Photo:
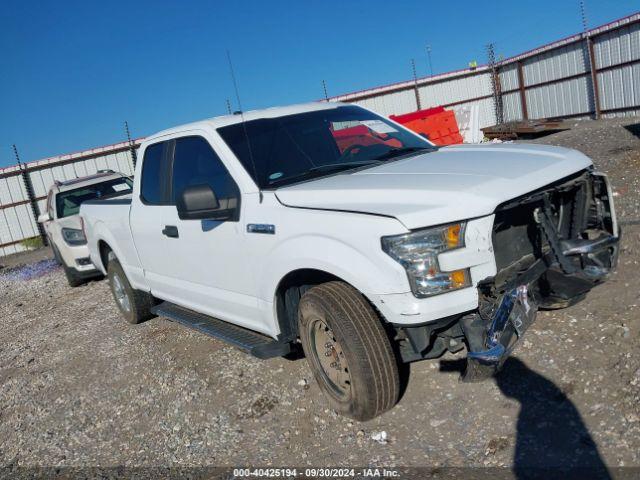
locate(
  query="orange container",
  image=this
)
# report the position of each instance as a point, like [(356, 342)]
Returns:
[(438, 124)]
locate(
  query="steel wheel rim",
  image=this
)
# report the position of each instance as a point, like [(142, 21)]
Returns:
[(330, 358), (121, 294)]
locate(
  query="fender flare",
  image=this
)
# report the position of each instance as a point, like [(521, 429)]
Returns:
[(342, 260)]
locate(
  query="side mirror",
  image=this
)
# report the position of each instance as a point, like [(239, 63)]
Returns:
[(199, 202), (44, 218)]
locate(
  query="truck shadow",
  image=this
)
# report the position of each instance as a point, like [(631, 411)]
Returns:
[(552, 440)]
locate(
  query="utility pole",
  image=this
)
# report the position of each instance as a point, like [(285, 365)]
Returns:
[(134, 154), (28, 187), (495, 85), (228, 107), (415, 84), (429, 58)]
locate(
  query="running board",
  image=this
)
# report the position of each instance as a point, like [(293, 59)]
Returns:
[(249, 341)]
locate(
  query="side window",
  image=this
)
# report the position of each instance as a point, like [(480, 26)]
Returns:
[(196, 163), (153, 183)]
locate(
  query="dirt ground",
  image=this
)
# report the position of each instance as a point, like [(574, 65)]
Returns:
[(80, 387)]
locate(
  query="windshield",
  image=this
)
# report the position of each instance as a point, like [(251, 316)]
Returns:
[(68, 202), (299, 147)]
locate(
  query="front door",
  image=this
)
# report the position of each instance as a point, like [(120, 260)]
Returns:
[(206, 261)]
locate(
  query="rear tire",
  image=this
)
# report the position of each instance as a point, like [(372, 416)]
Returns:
[(348, 350), (56, 254), (73, 279), (134, 305)]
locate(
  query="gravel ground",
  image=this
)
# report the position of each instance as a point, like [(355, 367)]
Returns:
[(614, 145), (80, 387)]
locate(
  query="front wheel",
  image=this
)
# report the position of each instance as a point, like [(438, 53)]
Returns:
[(348, 350), (73, 278), (134, 305)]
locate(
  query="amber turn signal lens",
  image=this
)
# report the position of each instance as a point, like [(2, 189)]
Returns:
[(458, 278), (453, 236)]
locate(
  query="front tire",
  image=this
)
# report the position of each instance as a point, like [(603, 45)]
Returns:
[(348, 350), (134, 305), (73, 279)]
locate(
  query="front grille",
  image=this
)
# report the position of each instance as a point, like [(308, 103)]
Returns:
[(517, 240)]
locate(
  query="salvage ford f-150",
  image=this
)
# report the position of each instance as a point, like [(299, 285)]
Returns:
[(329, 226)]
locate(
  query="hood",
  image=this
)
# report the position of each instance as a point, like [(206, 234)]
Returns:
[(453, 183)]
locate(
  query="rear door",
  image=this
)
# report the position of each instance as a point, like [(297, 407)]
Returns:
[(147, 215)]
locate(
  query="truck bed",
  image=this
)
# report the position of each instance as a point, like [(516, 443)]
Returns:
[(106, 225)]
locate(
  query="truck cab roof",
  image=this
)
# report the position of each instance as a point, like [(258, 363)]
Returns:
[(100, 176), (224, 120)]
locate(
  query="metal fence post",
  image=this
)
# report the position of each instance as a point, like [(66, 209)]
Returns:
[(594, 77), (134, 154), (28, 186), (523, 95), (415, 85), (495, 85)]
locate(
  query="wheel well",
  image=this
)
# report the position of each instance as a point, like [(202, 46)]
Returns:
[(104, 249), (288, 294)]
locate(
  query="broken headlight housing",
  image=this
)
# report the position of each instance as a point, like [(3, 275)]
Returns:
[(418, 253)]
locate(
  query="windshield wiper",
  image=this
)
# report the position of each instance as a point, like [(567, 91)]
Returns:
[(329, 167), (396, 152), (339, 166)]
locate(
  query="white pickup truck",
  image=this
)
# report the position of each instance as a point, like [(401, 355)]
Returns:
[(329, 226)]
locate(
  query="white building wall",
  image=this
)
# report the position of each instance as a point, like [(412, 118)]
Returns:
[(17, 222)]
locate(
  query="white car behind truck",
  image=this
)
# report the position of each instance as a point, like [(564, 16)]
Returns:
[(63, 225), (329, 226)]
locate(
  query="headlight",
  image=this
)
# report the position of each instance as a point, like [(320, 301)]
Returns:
[(73, 236), (418, 253)]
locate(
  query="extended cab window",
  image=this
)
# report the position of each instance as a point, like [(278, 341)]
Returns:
[(195, 163), (153, 185)]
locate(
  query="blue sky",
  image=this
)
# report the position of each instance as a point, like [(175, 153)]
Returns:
[(73, 71)]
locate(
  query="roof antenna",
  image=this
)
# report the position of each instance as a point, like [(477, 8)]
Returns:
[(244, 127)]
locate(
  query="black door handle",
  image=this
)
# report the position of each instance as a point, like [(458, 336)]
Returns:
[(170, 231)]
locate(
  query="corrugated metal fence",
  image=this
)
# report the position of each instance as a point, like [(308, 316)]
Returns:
[(18, 208), (596, 73), (591, 74)]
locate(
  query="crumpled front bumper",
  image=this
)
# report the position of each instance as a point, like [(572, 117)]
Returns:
[(490, 346), (491, 343)]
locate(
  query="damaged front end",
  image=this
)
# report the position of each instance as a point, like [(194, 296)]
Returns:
[(551, 247)]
